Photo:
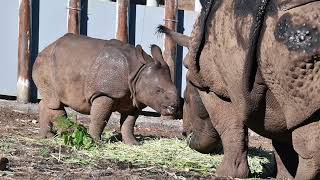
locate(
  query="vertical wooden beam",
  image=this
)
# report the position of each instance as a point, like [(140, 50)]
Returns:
[(170, 47), (74, 16), (24, 56), (122, 15)]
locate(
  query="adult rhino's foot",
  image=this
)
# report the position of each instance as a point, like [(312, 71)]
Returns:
[(233, 169)]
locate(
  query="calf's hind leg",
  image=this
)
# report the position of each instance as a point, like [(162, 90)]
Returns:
[(101, 110), (306, 142), (47, 116)]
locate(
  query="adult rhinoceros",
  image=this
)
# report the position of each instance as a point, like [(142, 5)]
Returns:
[(256, 63)]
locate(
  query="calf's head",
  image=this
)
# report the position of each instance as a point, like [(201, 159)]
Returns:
[(154, 86)]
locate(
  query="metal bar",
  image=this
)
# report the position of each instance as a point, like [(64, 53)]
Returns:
[(170, 47), (132, 22), (74, 16), (84, 17), (179, 56), (122, 26), (24, 55), (35, 9)]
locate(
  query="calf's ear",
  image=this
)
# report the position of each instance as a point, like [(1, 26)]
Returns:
[(142, 56), (157, 54)]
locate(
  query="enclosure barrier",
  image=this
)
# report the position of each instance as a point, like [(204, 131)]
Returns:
[(24, 52), (77, 23)]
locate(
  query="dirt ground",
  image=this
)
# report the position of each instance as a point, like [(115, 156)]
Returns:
[(31, 160)]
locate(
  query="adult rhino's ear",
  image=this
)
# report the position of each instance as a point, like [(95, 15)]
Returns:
[(157, 54), (142, 56)]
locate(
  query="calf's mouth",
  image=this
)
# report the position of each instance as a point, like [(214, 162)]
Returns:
[(168, 110)]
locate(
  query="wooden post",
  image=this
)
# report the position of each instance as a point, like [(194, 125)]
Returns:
[(24, 55), (74, 16), (122, 26), (170, 47)]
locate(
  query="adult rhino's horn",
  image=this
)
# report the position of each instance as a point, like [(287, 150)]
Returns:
[(157, 54)]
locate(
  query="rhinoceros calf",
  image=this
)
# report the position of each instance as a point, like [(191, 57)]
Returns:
[(98, 77)]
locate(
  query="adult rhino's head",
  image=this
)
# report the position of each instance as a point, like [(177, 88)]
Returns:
[(197, 125), (154, 87)]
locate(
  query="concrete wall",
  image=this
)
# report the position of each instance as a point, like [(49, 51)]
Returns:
[(53, 24)]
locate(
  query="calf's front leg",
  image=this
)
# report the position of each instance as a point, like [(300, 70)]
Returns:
[(101, 110), (127, 123)]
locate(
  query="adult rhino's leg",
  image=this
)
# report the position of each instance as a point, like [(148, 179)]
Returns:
[(306, 142), (287, 160), (233, 133), (127, 123), (47, 116), (101, 110), (235, 146)]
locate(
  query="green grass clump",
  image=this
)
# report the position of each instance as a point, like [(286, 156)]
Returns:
[(163, 153), (175, 154)]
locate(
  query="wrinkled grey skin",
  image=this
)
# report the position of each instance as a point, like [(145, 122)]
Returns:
[(197, 124), (98, 77), (257, 65)]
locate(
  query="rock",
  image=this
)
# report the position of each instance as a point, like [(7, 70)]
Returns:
[(3, 163)]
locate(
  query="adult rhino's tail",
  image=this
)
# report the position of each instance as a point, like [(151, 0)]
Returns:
[(181, 39)]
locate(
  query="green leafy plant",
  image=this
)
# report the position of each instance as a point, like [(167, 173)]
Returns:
[(74, 134)]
